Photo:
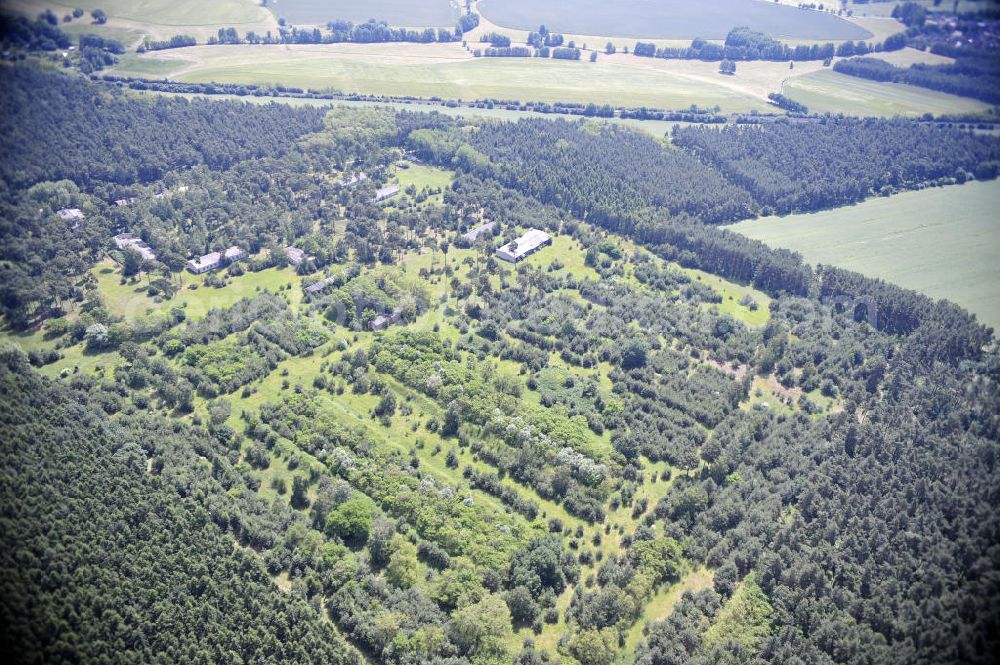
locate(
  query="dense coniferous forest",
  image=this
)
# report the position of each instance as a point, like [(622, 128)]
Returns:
[(406, 448), (60, 127), (106, 562)]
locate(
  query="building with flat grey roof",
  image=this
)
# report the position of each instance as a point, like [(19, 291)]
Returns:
[(216, 260), (386, 193), (532, 241), (479, 231), (131, 241)]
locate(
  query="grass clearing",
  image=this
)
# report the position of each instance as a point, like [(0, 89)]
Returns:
[(830, 92), (668, 19), (732, 298), (663, 602), (941, 241), (129, 300)]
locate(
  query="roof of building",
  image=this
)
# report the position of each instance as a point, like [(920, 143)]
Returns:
[(209, 260), (296, 255), (70, 213), (529, 242), (474, 234), (320, 285), (132, 241), (386, 192)]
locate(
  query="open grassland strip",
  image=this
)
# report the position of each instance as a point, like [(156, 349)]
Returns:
[(942, 241)]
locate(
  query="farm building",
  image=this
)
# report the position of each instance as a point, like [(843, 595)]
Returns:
[(131, 241), (525, 246), (70, 214), (296, 255), (122, 203), (386, 193), (476, 233), (383, 321), (216, 260)]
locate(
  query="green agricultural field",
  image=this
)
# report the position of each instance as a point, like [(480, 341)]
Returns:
[(447, 71), (159, 18), (942, 241), (668, 19), (830, 92), (410, 13)]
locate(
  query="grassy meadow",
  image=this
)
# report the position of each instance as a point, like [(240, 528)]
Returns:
[(940, 241)]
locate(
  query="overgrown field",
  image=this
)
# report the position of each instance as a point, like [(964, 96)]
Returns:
[(941, 241), (668, 19)]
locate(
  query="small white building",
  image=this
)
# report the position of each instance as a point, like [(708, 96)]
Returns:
[(71, 214), (131, 241), (479, 231), (386, 193), (525, 246), (296, 255), (216, 260)]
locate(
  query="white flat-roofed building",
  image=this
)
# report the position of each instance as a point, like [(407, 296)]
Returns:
[(216, 260), (479, 231), (131, 241), (70, 214), (525, 246), (296, 255), (386, 193)]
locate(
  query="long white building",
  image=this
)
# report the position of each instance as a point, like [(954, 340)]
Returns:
[(525, 246)]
